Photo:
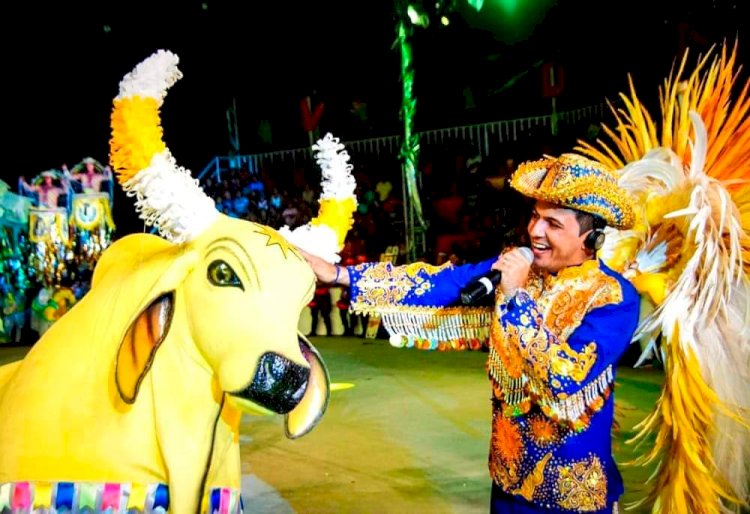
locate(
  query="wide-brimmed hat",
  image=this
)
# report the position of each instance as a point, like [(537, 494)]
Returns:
[(575, 182)]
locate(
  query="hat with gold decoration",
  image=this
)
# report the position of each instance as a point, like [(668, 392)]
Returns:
[(575, 182)]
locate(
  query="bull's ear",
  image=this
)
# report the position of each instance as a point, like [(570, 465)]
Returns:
[(138, 347)]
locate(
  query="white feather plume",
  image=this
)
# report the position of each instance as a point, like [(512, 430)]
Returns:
[(168, 197), (337, 184), (152, 77)]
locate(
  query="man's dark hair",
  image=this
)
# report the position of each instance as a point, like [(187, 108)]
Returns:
[(588, 221)]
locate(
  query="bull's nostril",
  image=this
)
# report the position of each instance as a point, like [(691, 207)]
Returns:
[(279, 384), (277, 367)]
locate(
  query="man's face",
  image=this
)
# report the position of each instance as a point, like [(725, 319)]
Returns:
[(555, 239)]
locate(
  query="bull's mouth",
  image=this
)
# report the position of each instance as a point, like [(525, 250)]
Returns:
[(281, 386), (278, 385)]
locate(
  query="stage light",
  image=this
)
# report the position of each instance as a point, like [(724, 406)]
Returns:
[(417, 16)]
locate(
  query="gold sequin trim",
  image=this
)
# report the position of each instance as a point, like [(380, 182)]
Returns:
[(384, 284), (522, 378)]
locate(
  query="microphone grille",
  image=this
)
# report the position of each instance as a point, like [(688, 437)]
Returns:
[(526, 251)]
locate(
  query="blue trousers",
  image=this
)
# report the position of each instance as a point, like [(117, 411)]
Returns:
[(504, 503)]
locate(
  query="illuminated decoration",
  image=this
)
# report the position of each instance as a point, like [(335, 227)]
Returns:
[(48, 232), (46, 189), (417, 16), (92, 224), (510, 21), (14, 208), (48, 224), (91, 176), (49, 305), (14, 279), (91, 211)]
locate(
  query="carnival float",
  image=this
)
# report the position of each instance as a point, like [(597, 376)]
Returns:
[(53, 232)]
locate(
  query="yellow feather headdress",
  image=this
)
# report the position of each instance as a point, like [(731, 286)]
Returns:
[(689, 254)]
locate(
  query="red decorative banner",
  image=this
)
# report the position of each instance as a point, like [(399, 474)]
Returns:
[(553, 80), (310, 119)]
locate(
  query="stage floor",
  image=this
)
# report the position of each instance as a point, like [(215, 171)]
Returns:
[(410, 436)]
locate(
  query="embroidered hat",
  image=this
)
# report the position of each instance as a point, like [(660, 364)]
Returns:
[(576, 182)]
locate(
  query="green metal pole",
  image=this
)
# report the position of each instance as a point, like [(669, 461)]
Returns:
[(414, 223)]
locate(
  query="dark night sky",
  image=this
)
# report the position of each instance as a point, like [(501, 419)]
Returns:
[(62, 68)]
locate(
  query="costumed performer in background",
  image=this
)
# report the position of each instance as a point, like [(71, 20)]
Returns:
[(44, 188), (560, 325)]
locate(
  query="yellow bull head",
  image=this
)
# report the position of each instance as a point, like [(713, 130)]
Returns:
[(235, 293)]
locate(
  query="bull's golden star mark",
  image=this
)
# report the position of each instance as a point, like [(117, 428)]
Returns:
[(274, 238)]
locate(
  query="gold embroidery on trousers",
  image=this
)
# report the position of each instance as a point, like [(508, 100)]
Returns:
[(582, 486), (533, 480)]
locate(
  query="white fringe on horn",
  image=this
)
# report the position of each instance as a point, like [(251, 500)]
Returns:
[(337, 184), (168, 197)]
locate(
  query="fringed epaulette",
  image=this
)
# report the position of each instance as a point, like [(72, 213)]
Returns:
[(433, 328)]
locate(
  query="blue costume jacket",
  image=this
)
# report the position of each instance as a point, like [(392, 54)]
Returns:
[(553, 352)]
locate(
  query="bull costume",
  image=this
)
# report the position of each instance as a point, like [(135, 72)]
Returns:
[(132, 401)]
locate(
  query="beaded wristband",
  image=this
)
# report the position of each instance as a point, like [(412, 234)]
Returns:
[(338, 272)]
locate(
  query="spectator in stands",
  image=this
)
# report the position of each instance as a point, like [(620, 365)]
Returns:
[(240, 205), (276, 199), (308, 194), (226, 204), (320, 308), (291, 216), (255, 186)]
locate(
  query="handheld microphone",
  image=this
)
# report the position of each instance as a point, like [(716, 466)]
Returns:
[(485, 284)]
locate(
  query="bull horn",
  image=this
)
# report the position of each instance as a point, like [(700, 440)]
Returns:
[(325, 234), (167, 196)]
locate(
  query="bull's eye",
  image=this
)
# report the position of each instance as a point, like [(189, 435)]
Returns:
[(221, 274)]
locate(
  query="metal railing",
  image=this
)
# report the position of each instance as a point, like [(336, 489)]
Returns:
[(483, 135)]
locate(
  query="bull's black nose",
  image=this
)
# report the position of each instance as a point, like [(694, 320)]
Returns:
[(279, 384)]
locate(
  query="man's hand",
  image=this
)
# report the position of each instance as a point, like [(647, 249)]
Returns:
[(514, 267), (326, 272)]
